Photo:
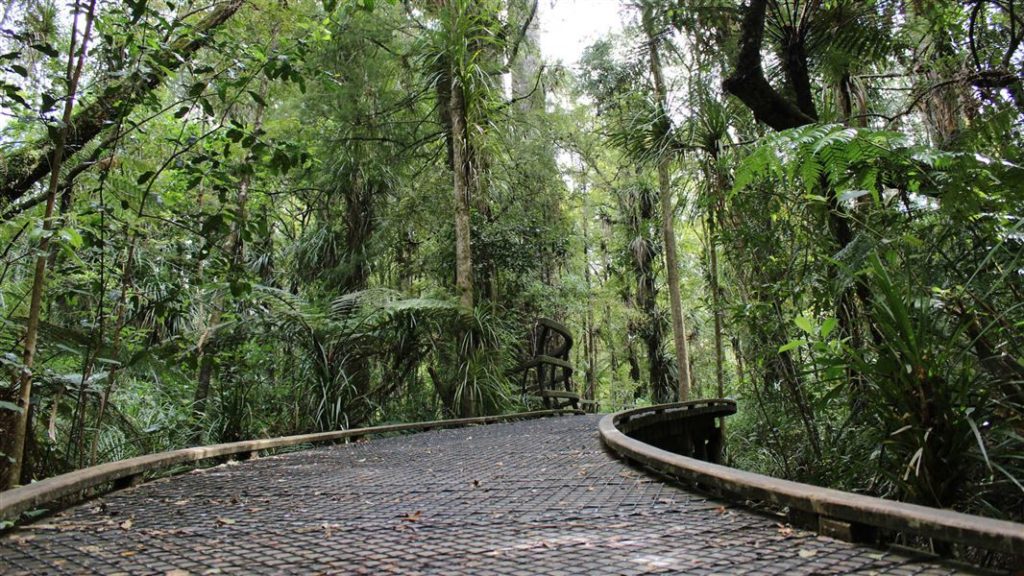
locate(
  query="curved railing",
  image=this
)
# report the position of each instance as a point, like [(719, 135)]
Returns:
[(687, 428), (123, 473), (836, 513)]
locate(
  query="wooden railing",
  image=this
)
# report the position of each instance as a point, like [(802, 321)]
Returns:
[(690, 428), (83, 483), (834, 513)]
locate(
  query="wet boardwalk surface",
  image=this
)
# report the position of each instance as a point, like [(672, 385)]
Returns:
[(532, 497)]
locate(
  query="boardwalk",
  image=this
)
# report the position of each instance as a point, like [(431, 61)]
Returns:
[(533, 497)]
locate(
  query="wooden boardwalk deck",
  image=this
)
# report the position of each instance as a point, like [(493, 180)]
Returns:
[(531, 497)]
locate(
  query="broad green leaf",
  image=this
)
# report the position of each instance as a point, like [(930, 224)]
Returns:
[(828, 326), (804, 323), (791, 345)]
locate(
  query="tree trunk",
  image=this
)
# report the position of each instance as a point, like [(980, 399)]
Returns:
[(748, 83), (716, 302), (525, 61), (460, 169), (675, 298), (15, 450), (589, 341), (359, 227), (660, 383), (717, 181), (667, 217)]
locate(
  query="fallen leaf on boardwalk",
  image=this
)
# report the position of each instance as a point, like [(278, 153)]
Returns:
[(127, 524), (476, 483), (93, 549), (180, 502), (413, 517), (225, 521), (722, 510), (785, 531), (128, 553), (177, 572), (807, 553)]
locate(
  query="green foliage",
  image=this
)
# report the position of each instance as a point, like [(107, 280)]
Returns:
[(928, 406)]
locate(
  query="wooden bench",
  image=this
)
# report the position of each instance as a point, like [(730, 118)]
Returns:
[(547, 374)]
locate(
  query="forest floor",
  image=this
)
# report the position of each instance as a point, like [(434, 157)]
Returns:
[(531, 497)]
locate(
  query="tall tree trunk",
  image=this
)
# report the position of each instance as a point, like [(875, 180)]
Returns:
[(460, 170), (716, 302), (525, 61), (675, 298), (748, 83), (359, 228), (589, 341), (717, 182), (15, 450), (668, 215), (643, 250)]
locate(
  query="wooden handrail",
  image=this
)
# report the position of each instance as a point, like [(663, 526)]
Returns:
[(15, 501), (825, 503)]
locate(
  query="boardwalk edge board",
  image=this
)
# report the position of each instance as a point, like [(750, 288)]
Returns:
[(828, 505), (123, 473)]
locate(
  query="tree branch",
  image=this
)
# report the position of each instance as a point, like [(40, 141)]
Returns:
[(30, 164), (747, 82)]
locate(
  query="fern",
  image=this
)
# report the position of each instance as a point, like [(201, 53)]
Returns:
[(849, 159)]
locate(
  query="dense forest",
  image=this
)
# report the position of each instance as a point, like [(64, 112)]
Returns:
[(245, 218)]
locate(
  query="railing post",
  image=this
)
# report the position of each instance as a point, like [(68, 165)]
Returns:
[(847, 531), (716, 441)]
